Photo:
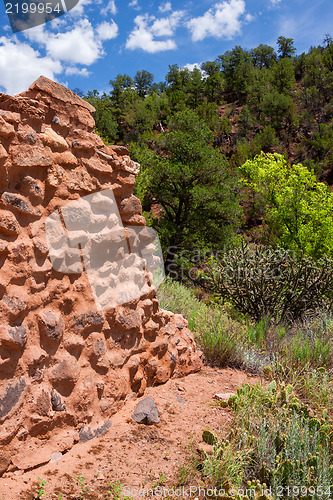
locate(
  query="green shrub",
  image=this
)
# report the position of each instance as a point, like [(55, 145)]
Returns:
[(217, 334), (264, 282), (297, 208), (277, 441), (316, 387)]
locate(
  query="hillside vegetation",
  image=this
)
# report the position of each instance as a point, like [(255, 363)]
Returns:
[(236, 172), (193, 133)]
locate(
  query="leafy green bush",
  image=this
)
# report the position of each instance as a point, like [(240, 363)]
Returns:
[(297, 209), (271, 283)]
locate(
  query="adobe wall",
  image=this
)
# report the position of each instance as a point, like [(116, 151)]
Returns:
[(66, 365)]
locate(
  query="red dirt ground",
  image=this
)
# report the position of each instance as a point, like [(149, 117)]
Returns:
[(133, 454)]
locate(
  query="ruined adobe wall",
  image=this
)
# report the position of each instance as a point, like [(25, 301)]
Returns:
[(65, 365)]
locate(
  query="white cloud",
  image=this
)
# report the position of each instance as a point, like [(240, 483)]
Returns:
[(77, 11), (167, 25), (20, 65), (110, 7), (73, 70), (80, 45), (107, 31), (36, 34), (62, 46), (191, 67), (148, 27), (275, 2), (134, 4), (223, 20), (249, 18), (165, 7)]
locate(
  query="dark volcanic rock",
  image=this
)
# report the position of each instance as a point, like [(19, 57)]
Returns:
[(88, 433), (17, 335), (146, 412), (52, 324), (11, 396), (56, 401)]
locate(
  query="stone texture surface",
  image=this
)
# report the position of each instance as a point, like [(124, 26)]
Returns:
[(146, 412), (66, 367)]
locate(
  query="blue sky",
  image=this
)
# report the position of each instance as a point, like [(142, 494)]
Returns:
[(91, 44)]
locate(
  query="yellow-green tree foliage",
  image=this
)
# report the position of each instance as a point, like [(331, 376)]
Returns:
[(297, 208)]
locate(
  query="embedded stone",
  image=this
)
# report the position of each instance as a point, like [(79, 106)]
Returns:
[(28, 136), (51, 324), (107, 157), (130, 205), (3, 248), (163, 374), (65, 159), (180, 321), (80, 180), (33, 188), (11, 396), (16, 336), (87, 320), (55, 457), (74, 343), (117, 358), (99, 347), (20, 252), (41, 248), (82, 145), (8, 223), (160, 346), (14, 304), (119, 150), (43, 402), (3, 153), (6, 129), (97, 165), (31, 156), (5, 461), (130, 166), (128, 320), (10, 116), (56, 401), (55, 141), (17, 202), (55, 176), (67, 370)]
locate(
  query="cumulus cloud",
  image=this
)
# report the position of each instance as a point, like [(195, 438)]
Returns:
[(77, 11), (275, 2), (147, 28), (191, 67), (80, 45), (134, 4), (165, 7), (20, 65), (223, 20), (73, 70), (59, 47), (110, 7), (107, 31)]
